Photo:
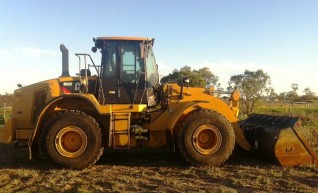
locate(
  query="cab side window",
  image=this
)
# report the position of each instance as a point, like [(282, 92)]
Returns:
[(131, 66), (109, 60)]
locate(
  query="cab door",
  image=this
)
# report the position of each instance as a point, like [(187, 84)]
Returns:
[(110, 74), (123, 79)]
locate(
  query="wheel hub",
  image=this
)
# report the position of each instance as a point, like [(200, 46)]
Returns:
[(71, 141), (207, 139)]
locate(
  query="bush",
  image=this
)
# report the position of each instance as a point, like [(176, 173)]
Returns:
[(1, 120)]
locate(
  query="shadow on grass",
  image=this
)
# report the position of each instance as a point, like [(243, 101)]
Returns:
[(142, 157), (17, 158), (12, 157)]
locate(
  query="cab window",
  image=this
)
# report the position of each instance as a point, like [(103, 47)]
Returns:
[(131, 66), (151, 68)]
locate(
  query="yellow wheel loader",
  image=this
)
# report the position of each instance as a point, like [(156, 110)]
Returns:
[(120, 104)]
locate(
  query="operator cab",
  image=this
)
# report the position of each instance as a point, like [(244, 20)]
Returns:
[(129, 73)]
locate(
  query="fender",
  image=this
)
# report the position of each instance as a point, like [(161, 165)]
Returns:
[(214, 105), (49, 107), (182, 110)]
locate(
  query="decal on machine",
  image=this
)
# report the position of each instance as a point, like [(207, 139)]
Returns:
[(75, 86), (67, 83), (70, 86)]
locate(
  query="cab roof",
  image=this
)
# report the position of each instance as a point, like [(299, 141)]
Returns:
[(124, 38)]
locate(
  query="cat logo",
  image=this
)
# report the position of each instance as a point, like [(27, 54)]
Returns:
[(77, 86)]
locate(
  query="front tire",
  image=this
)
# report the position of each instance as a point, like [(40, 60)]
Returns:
[(73, 139), (205, 138)]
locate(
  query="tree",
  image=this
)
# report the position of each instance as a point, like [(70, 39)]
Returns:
[(271, 95), (309, 95), (282, 96), (293, 93), (6, 98), (208, 76), (252, 85), (198, 78)]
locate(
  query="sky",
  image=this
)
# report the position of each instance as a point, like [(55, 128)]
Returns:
[(229, 37)]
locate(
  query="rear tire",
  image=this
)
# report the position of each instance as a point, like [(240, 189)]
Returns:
[(205, 138), (73, 139)]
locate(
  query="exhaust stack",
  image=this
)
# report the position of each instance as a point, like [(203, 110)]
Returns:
[(65, 65)]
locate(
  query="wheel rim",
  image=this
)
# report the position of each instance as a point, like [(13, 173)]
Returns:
[(71, 141), (207, 139)]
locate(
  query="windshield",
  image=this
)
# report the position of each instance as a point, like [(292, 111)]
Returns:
[(151, 68)]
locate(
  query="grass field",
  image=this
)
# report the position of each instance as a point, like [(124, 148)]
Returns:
[(151, 171), (161, 171)]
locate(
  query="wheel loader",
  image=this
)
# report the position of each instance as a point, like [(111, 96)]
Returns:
[(120, 104)]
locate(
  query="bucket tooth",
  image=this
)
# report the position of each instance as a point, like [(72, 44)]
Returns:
[(277, 138)]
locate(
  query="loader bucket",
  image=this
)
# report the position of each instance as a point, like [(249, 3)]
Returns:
[(277, 138)]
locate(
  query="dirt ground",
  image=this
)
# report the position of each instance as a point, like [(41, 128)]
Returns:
[(150, 171)]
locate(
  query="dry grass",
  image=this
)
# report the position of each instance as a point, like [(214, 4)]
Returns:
[(151, 171)]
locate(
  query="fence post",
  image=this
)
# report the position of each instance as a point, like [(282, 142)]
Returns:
[(4, 110)]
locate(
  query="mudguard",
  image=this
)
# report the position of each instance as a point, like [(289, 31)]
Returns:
[(222, 108)]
